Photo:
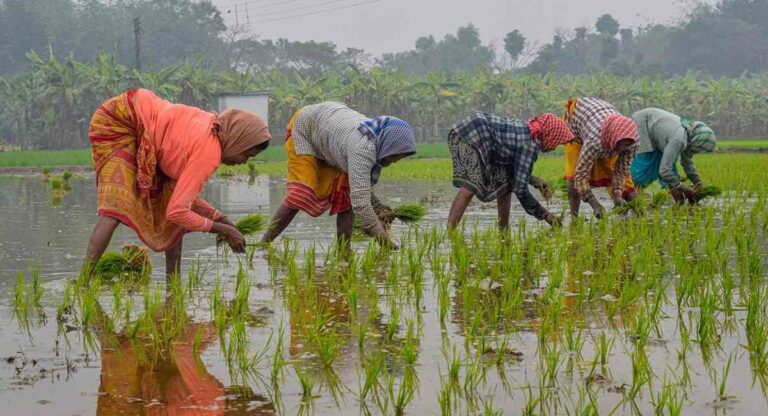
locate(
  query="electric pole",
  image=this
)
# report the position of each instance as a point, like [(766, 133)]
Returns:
[(137, 42)]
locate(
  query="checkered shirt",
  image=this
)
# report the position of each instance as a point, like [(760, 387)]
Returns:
[(330, 131), (501, 141), (586, 122)]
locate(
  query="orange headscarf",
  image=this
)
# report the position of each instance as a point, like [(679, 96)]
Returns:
[(240, 131)]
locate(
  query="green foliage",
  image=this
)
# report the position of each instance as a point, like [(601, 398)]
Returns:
[(37, 110), (607, 25)]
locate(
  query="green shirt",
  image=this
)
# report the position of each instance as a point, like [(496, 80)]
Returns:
[(662, 131)]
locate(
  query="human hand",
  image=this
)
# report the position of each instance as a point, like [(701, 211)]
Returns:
[(226, 221), (596, 207), (690, 194), (545, 189), (553, 220), (234, 238)]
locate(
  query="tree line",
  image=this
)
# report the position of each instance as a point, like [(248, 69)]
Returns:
[(50, 104), (730, 38)]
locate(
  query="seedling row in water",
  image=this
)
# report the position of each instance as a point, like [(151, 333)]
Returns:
[(645, 314)]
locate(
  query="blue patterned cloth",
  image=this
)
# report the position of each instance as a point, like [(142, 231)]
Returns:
[(393, 136)]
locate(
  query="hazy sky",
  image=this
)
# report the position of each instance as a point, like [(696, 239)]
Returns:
[(393, 25)]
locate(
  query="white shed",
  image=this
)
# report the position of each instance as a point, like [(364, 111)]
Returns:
[(255, 102)]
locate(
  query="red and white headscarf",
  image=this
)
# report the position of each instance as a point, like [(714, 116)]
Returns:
[(617, 127), (550, 130)]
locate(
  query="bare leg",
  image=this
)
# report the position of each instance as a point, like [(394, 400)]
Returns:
[(280, 222), (100, 238), (344, 223), (459, 205), (173, 260), (573, 199), (504, 203)]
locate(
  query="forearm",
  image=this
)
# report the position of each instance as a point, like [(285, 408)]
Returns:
[(690, 169), (459, 205), (530, 204), (369, 221), (279, 223), (667, 165), (204, 209), (504, 204), (378, 206), (621, 170), (573, 199)]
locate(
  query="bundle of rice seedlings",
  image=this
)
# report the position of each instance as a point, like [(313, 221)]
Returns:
[(709, 191), (251, 168), (132, 264), (659, 199), (637, 205), (251, 224), (247, 225), (410, 213), (66, 176), (56, 184)]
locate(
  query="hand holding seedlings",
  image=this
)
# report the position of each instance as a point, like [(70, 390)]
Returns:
[(690, 194), (245, 226), (553, 220), (230, 234), (546, 191)]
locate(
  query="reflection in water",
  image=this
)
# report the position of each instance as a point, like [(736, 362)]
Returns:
[(140, 377)]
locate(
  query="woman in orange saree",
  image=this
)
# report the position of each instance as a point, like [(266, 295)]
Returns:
[(152, 160)]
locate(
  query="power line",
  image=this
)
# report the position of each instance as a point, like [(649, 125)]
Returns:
[(238, 8), (348, 6), (309, 6)]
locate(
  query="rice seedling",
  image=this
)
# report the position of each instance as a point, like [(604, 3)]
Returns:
[(247, 225), (21, 304), (637, 205), (196, 271), (131, 265), (57, 184), (722, 383), (531, 403), (709, 191), (373, 367), (659, 199), (410, 213)]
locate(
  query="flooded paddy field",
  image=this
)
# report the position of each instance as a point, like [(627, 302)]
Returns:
[(661, 314)]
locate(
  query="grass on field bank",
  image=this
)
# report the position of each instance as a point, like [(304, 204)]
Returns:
[(436, 150), (82, 157), (736, 170), (45, 158)]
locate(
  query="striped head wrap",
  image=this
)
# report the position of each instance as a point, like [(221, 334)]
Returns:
[(617, 127), (393, 136), (550, 131), (701, 138)]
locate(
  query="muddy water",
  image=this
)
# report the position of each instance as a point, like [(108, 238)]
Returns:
[(46, 373), (47, 376)]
